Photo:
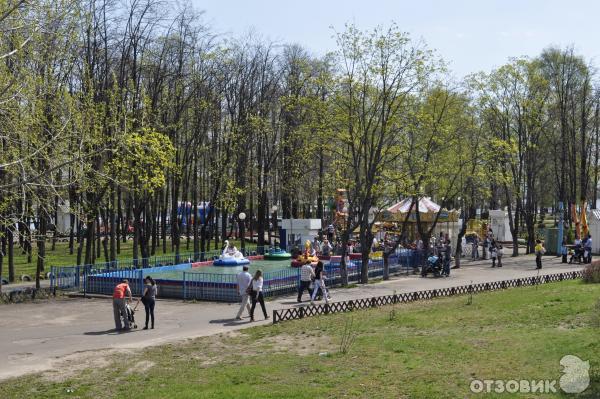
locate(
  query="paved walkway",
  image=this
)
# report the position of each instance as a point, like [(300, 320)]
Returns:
[(38, 336)]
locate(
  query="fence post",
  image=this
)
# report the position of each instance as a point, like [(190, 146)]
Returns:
[(141, 281), (184, 287)]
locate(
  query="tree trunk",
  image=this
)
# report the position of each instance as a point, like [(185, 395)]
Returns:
[(2, 255), (112, 227), (119, 222), (11, 255), (366, 240), (89, 250), (41, 245), (79, 241), (71, 232), (262, 216), (98, 237)]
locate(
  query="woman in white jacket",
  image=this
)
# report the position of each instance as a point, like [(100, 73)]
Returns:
[(319, 284), (257, 295)]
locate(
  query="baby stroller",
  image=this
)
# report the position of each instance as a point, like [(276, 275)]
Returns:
[(130, 315), (433, 265), (576, 254)]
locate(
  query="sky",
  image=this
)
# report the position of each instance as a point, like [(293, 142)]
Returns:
[(470, 35)]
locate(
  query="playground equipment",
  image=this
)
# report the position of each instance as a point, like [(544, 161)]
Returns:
[(341, 208), (277, 254), (309, 254), (231, 257)]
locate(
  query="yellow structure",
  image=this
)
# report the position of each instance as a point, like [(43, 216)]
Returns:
[(308, 254)]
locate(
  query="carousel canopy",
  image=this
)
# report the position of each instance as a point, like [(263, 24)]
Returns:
[(426, 205), (428, 211)]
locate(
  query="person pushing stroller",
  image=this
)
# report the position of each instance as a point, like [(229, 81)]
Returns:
[(121, 292)]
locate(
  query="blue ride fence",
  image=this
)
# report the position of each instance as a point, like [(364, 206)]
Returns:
[(102, 278)]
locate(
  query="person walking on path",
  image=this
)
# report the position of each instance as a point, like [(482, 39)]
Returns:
[(539, 251), (475, 248), (243, 283), (319, 283), (587, 250), (257, 295), (499, 254), (564, 250), (120, 293), (307, 275), (486, 243), (149, 299), (447, 257), (493, 252)]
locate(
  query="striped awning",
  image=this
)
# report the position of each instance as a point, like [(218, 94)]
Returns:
[(426, 205)]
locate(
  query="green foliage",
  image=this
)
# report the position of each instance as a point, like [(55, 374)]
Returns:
[(142, 160)]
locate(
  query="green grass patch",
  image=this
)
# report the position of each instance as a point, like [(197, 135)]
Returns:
[(427, 349), (61, 257)]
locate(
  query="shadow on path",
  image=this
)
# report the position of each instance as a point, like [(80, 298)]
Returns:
[(112, 331), (231, 321)]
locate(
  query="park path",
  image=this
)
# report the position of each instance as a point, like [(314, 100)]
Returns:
[(41, 336)]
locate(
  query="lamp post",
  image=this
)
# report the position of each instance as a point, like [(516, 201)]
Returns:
[(274, 210), (242, 217)]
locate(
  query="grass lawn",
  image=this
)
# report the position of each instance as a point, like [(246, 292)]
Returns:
[(420, 350), (61, 257)]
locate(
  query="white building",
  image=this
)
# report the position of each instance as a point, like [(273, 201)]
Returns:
[(500, 225), (295, 231)]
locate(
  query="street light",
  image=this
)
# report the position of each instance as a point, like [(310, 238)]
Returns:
[(242, 217)]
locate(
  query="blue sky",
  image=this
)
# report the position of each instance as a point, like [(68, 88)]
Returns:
[(471, 35)]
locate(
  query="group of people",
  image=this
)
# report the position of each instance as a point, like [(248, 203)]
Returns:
[(122, 292), (580, 251), (250, 289), (442, 247), (313, 281), (490, 247), (329, 248)]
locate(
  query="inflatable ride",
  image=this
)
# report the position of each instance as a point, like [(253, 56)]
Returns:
[(277, 254), (231, 257), (309, 254)]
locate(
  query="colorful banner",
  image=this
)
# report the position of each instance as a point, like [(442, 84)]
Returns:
[(575, 220), (584, 224)]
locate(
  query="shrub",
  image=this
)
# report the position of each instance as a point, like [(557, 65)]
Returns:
[(591, 274)]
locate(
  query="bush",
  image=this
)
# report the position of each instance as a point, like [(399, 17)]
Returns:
[(591, 274)]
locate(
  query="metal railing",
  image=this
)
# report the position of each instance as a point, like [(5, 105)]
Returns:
[(356, 304), (222, 287), (166, 260)]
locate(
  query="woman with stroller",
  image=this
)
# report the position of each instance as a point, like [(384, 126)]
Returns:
[(577, 254), (149, 300), (257, 295), (319, 283)]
